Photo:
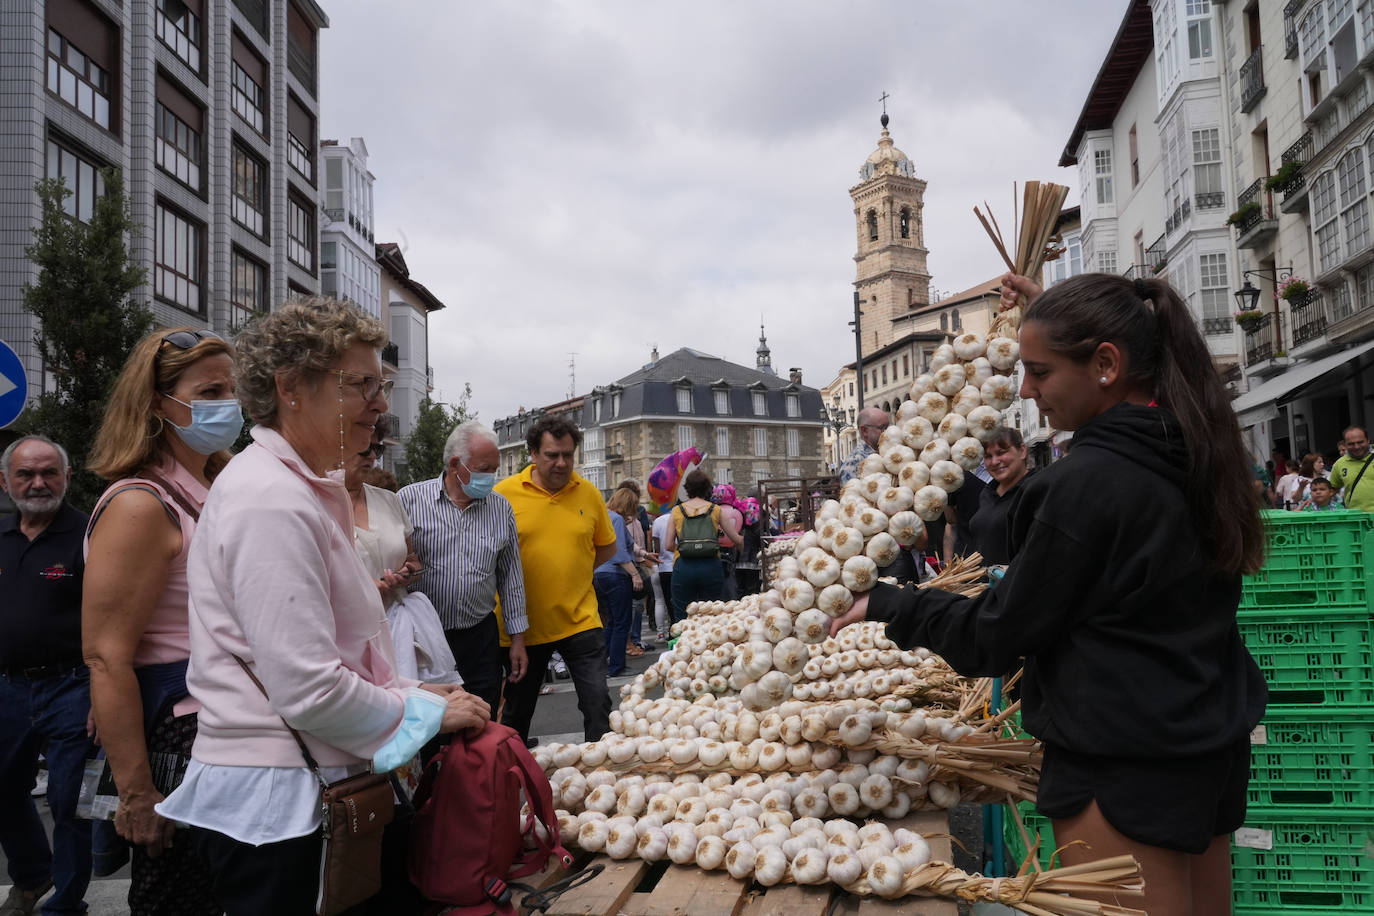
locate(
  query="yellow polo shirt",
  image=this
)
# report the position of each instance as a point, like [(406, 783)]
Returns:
[(559, 533)]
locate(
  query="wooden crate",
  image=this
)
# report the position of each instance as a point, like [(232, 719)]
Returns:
[(635, 888)]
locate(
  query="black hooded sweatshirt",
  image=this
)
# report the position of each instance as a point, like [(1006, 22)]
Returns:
[(1130, 640)]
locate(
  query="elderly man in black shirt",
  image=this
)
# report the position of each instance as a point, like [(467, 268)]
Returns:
[(44, 686)]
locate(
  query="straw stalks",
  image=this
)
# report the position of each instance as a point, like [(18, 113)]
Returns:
[(1040, 206)]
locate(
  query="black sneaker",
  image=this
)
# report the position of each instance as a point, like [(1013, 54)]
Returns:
[(531, 742)]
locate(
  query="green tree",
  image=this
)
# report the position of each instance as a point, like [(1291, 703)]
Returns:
[(425, 444), (89, 322)]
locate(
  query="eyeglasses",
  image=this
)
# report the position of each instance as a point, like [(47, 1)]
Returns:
[(375, 450), (369, 386), (185, 340)]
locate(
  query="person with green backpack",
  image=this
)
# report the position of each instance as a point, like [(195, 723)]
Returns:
[(693, 539)]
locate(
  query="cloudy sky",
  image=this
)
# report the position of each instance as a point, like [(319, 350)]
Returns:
[(598, 177)]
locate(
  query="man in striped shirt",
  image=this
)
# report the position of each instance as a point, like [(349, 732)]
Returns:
[(466, 540)]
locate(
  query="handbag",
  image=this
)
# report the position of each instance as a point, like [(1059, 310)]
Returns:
[(354, 812)]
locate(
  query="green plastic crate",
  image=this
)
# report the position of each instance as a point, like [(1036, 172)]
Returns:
[(1035, 823), (1317, 862), (1326, 764), (1314, 664), (1316, 563)]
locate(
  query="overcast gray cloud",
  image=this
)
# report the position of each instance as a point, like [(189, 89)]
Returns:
[(600, 177)]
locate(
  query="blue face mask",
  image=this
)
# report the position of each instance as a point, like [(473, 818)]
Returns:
[(479, 484), (215, 425)]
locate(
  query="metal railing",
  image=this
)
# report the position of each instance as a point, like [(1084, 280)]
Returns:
[(1179, 215), (391, 354), (1263, 210), (1307, 313), (301, 62), (1210, 200), (394, 425), (429, 376), (1156, 255), (1300, 152), (1260, 341), (335, 214), (1252, 80), (1214, 327), (1290, 28)]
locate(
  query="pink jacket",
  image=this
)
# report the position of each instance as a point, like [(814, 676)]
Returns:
[(274, 579)]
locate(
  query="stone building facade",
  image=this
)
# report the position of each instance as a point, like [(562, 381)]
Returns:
[(208, 107)]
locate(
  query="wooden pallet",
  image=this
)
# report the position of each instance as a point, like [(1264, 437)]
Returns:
[(635, 888)]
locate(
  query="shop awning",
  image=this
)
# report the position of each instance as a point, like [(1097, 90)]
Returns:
[(1261, 403)]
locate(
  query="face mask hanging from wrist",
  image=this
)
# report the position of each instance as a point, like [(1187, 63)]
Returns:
[(215, 425)]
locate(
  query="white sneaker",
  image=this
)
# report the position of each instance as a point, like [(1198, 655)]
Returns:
[(41, 786)]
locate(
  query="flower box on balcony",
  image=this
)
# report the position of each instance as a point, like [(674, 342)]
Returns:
[(1250, 321), (1294, 288), (1244, 213)]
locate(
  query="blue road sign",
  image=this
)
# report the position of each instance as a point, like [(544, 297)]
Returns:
[(14, 386)]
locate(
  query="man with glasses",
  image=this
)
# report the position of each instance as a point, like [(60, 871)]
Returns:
[(469, 552), (45, 687), (1348, 474), (872, 422)]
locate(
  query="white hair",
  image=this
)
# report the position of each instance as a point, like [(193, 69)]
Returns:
[(460, 441), (9, 453)]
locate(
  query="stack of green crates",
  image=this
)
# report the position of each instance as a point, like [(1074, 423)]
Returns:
[(1036, 825), (1306, 619)]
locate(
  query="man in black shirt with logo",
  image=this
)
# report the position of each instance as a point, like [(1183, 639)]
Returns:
[(44, 686)]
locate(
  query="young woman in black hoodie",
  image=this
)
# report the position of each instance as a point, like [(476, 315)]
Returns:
[(1122, 590)]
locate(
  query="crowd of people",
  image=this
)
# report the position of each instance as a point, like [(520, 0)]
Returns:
[(1308, 486), (224, 630)]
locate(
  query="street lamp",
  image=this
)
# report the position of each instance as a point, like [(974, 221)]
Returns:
[(1247, 297)]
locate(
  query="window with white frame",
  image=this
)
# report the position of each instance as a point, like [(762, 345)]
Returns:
[(794, 470), (1364, 286), (762, 472), (760, 404), (178, 27), (82, 178), (793, 443), (684, 400), (615, 403), (685, 439), (1350, 179), (1207, 161), (793, 401), (722, 399), (723, 473), (78, 79), (1323, 196), (1166, 51), (722, 440), (1199, 14), (1212, 286), (177, 258), (760, 442), (1106, 262), (1102, 171), (596, 410)]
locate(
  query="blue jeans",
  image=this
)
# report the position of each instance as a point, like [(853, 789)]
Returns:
[(613, 595), (696, 579), (54, 708)]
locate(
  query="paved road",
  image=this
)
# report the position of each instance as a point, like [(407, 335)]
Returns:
[(555, 719)]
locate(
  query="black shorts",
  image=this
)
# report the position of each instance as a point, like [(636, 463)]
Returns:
[(1179, 803)]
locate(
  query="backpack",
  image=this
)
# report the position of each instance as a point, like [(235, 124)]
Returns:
[(698, 537), (469, 838)]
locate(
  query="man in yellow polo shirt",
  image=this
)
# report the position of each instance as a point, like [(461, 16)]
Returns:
[(565, 532), (1352, 474)]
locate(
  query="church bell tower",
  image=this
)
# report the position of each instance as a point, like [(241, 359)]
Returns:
[(890, 262)]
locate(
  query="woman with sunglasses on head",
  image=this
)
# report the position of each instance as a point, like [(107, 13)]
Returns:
[(1122, 589), (171, 418), (290, 652)]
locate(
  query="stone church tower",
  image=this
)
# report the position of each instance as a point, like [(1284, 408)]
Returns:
[(891, 274)]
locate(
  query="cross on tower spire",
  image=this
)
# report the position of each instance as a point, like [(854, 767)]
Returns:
[(883, 98)]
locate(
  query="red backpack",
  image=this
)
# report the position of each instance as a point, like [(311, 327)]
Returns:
[(469, 839)]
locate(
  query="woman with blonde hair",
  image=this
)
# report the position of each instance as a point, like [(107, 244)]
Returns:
[(617, 579), (172, 416), (291, 657)]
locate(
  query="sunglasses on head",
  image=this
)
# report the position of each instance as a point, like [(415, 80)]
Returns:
[(185, 340)]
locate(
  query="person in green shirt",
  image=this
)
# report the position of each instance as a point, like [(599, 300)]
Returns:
[(1322, 497), (1349, 474)]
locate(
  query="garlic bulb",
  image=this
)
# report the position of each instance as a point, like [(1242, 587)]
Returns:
[(914, 853), (844, 867), (966, 400), (711, 852), (889, 437), (834, 600), (883, 548), (923, 384), (591, 836), (967, 453), (914, 476), (808, 866), (968, 347), (999, 391), (859, 575), (905, 527), (886, 876), (844, 798), (777, 624), (876, 791), (905, 411), (770, 864), (621, 841), (896, 456), (979, 371), (943, 794), (855, 730), (846, 543), (896, 499), (871, 464), (983, 422), (811, 626), (790, 653), (682, 844), (930, 504), (1003, 352), (870, 521), (739, 861), (947, 475), (917, 430), (798, 595), (953, 428), (943, 356), (829, 509), (874, 484), (949, 379), (652, 845), (937, 450), (932, 406), (822, 569)]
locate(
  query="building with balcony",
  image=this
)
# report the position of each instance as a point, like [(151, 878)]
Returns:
[(208, 107), (1302, 78), (348, 261), (409, 305), (752, 424), (841, 403)]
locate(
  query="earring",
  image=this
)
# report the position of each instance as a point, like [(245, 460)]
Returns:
[(1103, 380), (293, 403)]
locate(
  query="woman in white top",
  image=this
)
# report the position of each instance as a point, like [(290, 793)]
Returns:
[(1292, 488), (663, 575)]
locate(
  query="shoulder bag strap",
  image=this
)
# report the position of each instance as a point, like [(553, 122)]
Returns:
[(177, 498), (1364, 467), (105, 504), (300, 742)]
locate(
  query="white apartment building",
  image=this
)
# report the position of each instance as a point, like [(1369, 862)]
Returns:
[(348, 260), (1300, 78), (409, 304), (208, 107)]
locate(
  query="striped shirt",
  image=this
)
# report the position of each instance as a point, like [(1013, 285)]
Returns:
[(469, 556)]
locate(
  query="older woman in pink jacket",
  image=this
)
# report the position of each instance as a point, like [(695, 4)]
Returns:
[(275, 582)]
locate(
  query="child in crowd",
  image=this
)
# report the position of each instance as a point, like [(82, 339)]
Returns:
[(1322, 497)]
